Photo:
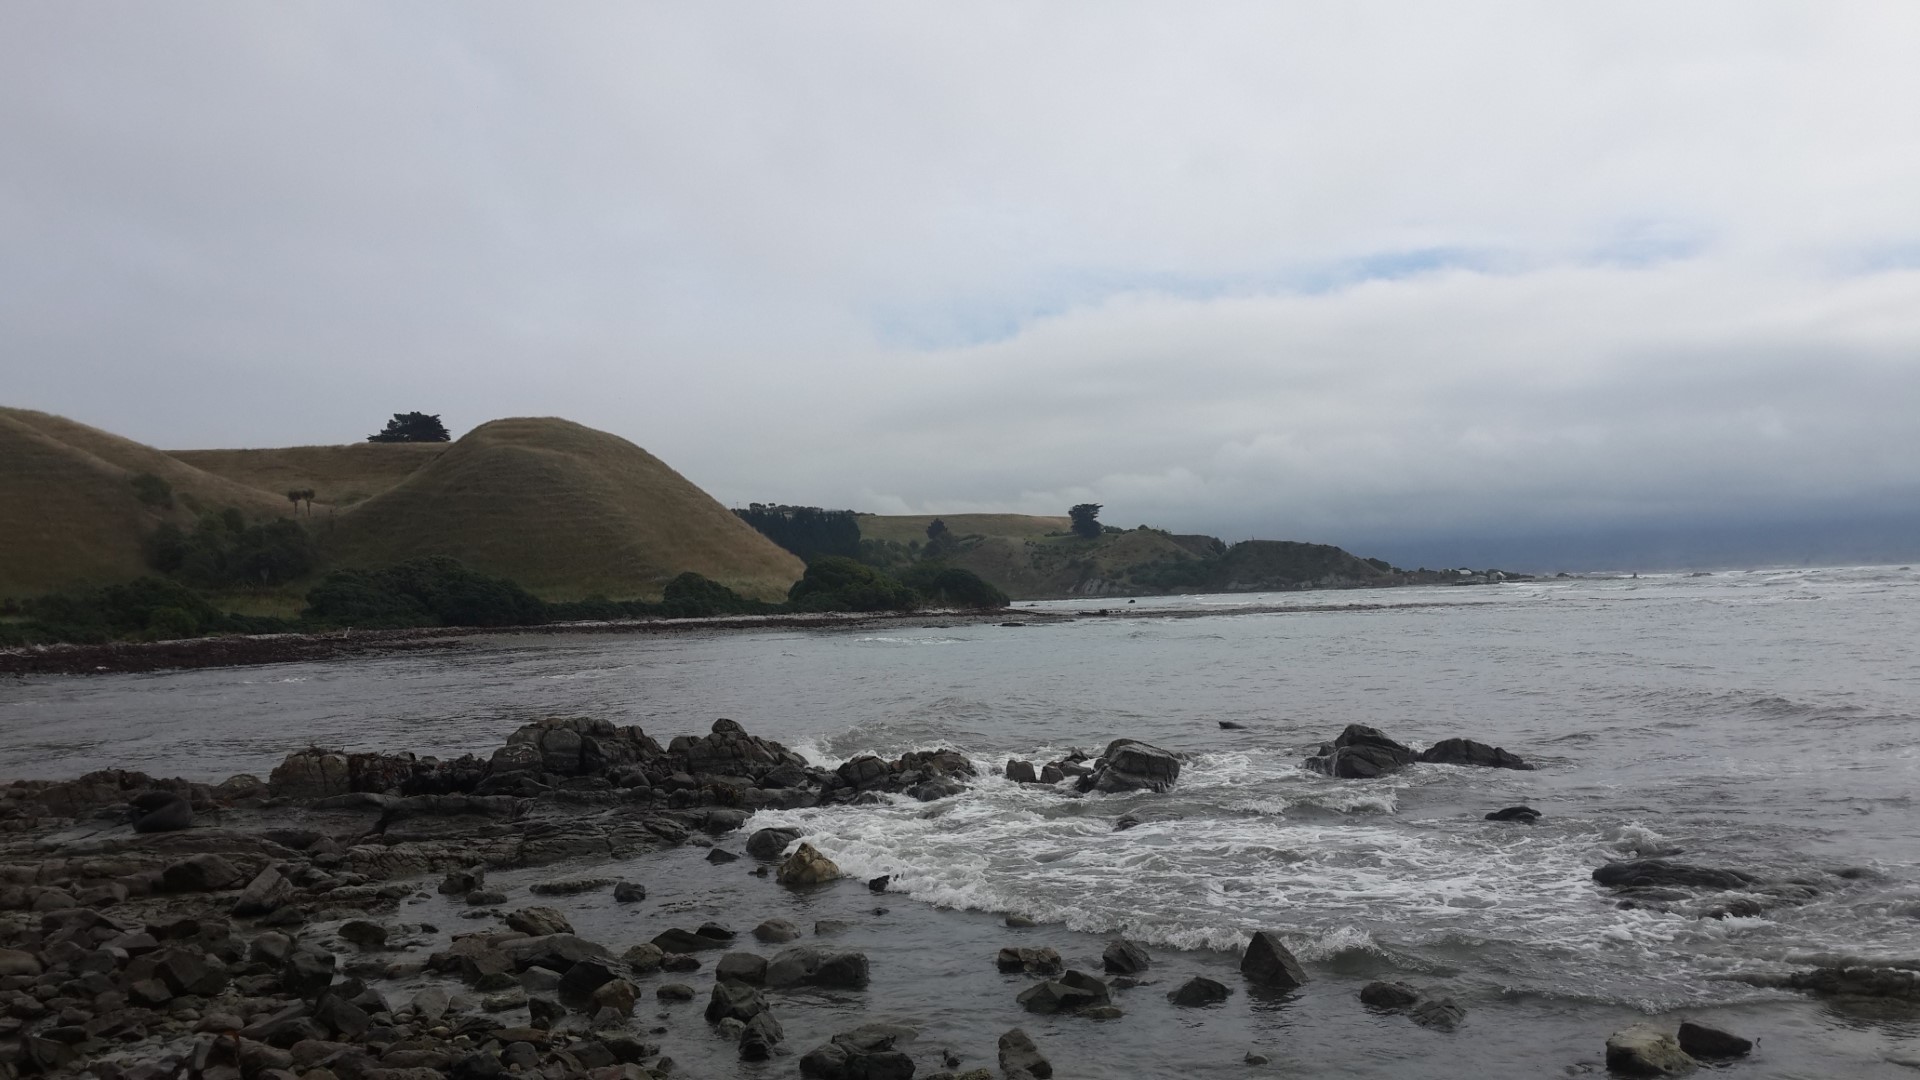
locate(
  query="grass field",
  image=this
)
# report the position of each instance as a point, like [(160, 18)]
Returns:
[(69, 513), (337, 475), (564, 510)]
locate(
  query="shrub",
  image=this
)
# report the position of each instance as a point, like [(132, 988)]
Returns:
[(224, 552), (840, 584), (435, 590), (153, 491), (951, 586)]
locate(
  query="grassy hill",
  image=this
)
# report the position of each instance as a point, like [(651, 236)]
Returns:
[(338, 475), (564, 510), (70, 514)]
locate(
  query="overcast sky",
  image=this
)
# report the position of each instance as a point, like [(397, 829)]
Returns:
[(1365, 273)]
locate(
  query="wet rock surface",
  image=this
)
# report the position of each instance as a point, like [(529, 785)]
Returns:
[(1361, 752)]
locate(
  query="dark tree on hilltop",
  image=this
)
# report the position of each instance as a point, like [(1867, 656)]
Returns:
[(1086, 520), (936, 529), (807, 531), (413, 427)]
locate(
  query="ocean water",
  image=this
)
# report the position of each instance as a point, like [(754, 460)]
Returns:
[(1767, 721)]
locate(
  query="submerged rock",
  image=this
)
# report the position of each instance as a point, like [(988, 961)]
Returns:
[(1389, 995), (1123, 957), (1040, 961), (1199, 991), (1019, 1057), (770, 842), (1526, 815), (868, 1052), (1071, 992), (1361, 753), (1658, 873)]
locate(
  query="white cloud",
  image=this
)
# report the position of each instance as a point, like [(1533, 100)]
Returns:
[(1248, 267)]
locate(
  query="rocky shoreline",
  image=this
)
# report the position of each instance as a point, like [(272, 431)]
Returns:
[(254, 929)]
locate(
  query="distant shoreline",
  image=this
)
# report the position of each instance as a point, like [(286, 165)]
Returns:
[(238, 650)]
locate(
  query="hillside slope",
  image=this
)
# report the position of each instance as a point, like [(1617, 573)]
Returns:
[(337, 475), (69, 513), (564, 510)]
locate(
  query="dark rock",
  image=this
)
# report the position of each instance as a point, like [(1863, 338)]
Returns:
[(674, 992), (485, 898), (1361, 752), (1136, 766), (770, 843), (364, 933), (1231, 725), (1642, 873), (1040, 961), (1199, 991), (1644, 1050), (644, 958), (1123, 957), (743, 967), (266, 892), (1019, 1057), (776, 931), (1469, 752), (679, 962), (580, 981), (159, 811), (308, 973), (462, 882), (1526, 815), (735, 1001), (1021, 772), (720, 855), (341, 1016), (205, 872), (1389, 995), (1052, 774), (628, 892), (1268, 963), (1020, 922), (1071, 991), (1701, 1041), (879, 884), (1843, 981), (807, 965), (683, 941), (761, 1036), (1125, 822)]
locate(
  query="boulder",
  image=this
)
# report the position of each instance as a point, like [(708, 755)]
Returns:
[(1070, 992), (867, 1052), (1021, 772), (1123, 957), (745, 967), (616, 994), (770, 842), (584, 978), (1040, 961), (1130, 765), (805, 965), (762, 1034), (629, 892), (1389, 995), (1268, 963), (1199, 991), (735, 1001), (16, 962), (1526, 815), (462, 882), (776, 932), (1020, 1058), (1360, 753), (1700, 1041), (1644, 1050), (364, 932), (159, 811), (1469, 752), (643, 958), (807, 867), (310, 774), (265, 893)]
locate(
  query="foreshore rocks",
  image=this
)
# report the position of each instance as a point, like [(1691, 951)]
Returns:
[(1361, 752), (1125, 765)]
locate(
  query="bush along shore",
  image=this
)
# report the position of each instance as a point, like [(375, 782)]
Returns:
[(156, 928)]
